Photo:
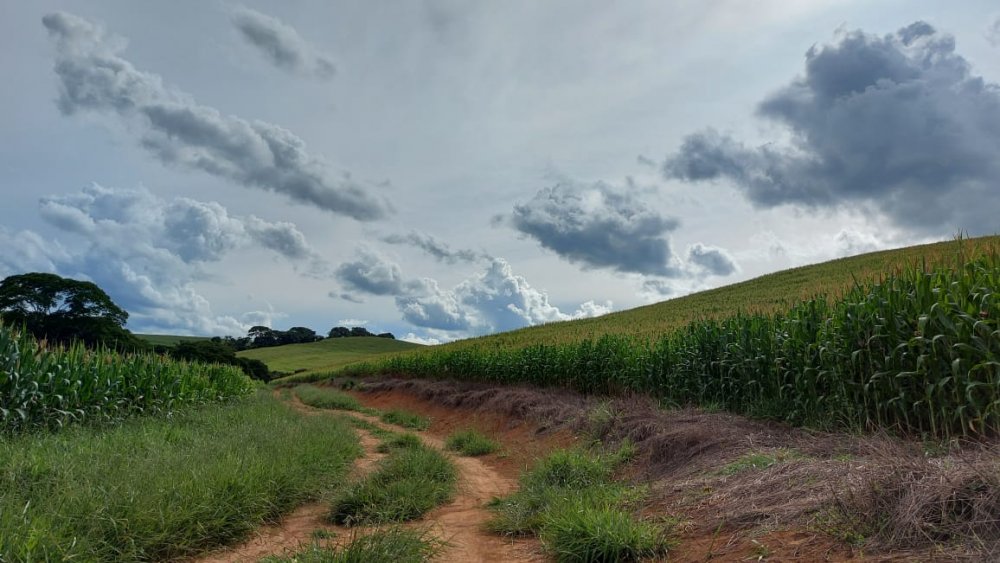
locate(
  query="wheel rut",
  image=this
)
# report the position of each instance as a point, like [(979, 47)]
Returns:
[(460, 522)]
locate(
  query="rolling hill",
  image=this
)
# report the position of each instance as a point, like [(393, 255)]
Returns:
[(326, 355)]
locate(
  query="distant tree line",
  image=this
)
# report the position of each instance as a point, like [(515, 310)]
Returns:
[(62, 310), (264, 337)]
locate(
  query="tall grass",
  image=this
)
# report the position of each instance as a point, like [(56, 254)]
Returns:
[(153, 489), (916, 350), (43, 386)]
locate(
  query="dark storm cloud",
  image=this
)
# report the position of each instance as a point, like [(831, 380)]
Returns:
[(179, 131), (711, 260), (436, 248), (897, 123), (598, 226), (280, 43)]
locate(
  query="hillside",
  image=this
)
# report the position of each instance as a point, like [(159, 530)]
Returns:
[(765, 294), (325, 355), (168, 339)]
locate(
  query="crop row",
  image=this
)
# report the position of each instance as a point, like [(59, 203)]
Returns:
[(917, 350), (42, 386)]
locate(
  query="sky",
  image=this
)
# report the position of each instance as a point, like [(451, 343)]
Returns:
[(441, 169)]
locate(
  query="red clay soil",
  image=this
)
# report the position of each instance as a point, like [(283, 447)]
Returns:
[(460, 523), (746, 516), (522, 442)]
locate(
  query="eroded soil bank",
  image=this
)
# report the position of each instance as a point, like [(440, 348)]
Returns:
[(742, 489)]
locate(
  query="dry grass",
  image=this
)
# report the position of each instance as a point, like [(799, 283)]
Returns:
[(873, 494)]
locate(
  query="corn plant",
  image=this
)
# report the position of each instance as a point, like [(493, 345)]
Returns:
[(42, 386), (917, 349)]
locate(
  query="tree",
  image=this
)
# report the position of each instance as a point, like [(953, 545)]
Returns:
[(360, 331), (339, 332), (64, 309)]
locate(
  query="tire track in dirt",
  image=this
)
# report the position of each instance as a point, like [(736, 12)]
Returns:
[(460, 522)]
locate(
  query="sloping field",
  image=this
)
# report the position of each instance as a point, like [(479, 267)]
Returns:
[(906, 340), (169, 339), (326, 355), (766, 294)]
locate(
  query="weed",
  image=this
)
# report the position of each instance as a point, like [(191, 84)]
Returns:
[(403, 441), (408, 483), (327, 398), (756, 461), (393, 545), (471, 443), (571, 502), (406, 419)]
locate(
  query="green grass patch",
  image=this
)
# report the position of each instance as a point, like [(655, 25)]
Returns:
[(471, 442), (327, 398), (152, 489), (406, 419), (408, 482), (756, 461), (402, 441), (393, 545), (571, 501), (327, 355)]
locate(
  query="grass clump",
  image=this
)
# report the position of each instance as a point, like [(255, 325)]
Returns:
[(405, 441), (471, 443), (408, 483), (327, 398), (756, 461), (393, 545), (406, 419), (571, 501), (152, 490)]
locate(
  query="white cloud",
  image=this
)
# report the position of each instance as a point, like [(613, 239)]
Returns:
[(179, 131), (146, 252)]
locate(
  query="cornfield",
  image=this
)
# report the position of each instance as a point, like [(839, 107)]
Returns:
[(917, 350), (43, 386)]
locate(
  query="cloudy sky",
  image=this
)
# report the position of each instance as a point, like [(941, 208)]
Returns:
[(441, 169)]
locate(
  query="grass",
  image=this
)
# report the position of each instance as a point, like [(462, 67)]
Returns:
[(392, 545), (471, 443), (325, 355), (152, 489), (572, 503), (327, 398), (169, 339), (756, 461), (409, 482), (406, 419), (392, 442)]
